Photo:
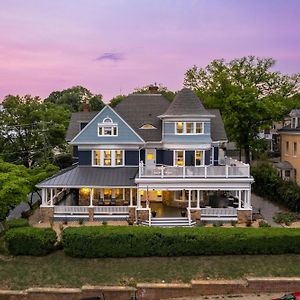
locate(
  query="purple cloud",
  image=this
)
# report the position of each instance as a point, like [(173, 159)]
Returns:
[(110, 56)]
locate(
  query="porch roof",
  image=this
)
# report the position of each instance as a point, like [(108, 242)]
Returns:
[(85, 176)]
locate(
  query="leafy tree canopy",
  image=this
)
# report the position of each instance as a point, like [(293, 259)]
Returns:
[(160, 89), (248, 93), (30, 129), (75, 97), (116, 100)]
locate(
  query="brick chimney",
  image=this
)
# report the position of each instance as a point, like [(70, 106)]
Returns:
[(153, 89)]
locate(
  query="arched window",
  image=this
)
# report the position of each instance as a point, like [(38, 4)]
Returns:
[(107, 128)]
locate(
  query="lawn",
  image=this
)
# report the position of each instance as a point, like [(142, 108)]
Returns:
[(59, 270)]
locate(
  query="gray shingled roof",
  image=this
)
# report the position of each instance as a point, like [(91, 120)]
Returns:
[(284, 165), (140, 109), (186, 103), (85, 176), (289, 129), (76, 119), (218, 132)]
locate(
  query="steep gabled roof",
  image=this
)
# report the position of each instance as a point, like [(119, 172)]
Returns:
[(141, 109), (218, 132), (186, 103)]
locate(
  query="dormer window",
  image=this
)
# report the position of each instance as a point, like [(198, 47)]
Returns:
[(189, 128), (148, 126), (107, 128)]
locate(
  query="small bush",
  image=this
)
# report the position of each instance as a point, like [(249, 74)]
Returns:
[(80, 222), (286, 218), (125, 241), (104, 223), (14, 223), (30, 241), (263, 224)]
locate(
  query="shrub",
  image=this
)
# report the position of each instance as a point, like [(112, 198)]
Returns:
[(16, 223), (123, 241), (268, 184), (286, 218), (263, 224), (30, 241)]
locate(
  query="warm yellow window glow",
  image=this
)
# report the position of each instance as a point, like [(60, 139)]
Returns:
[(179, 158), (142, 193), (150, 156), (84, 191), (119, 157), (107, 157), (189, 127), (199, 127), (179, 127), (97, 157), (198, 158), (107, 193), (159, 193)]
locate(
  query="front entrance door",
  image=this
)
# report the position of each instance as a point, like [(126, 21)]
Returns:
[(151, 157)]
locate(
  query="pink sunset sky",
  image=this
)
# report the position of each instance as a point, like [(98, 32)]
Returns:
[(113, 46)]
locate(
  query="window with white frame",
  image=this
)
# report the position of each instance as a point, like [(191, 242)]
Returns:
[(199, 158), (295, 149), (179, 158), (189, 128), (107, 128), (108, 158)]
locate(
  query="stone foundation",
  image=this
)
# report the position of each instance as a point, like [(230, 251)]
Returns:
[(132, 213), (46, 214), (196, 215), (142, 215), (244, 215), (91, 214)]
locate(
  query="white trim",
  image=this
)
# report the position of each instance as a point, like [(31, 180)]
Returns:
[(203, 158), (112, 127), (112, 158), (105, 107), (184, 133)]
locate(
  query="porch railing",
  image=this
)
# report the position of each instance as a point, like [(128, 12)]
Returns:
[(71, 209), (232, 169), (218, 212), (110, 209)]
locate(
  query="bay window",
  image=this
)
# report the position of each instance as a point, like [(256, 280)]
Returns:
[(108, 158), (191, 128)]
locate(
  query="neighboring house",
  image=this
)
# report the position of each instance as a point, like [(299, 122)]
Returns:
[(146, 157), (289, 165)]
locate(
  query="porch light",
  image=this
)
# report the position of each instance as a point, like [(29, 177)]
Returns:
[(159, 193), (142, 193), (84, 191), (150, 156)]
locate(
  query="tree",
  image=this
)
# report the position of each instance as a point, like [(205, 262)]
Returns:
[(74, 98), (116, 100), (248, 93), (14, 186), (160, 89), (30, 130)]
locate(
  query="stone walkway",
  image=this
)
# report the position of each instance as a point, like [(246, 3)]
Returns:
[(268, 209)]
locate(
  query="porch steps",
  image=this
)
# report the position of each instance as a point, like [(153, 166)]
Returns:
[(169, 222)]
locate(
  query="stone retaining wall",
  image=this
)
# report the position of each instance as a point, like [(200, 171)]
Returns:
[(154, 291)]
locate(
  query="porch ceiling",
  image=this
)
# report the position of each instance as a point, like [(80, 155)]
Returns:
[(84, 176)]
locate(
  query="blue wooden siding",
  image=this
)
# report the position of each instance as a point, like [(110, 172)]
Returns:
[(216, 156), (159, 157), (207, 157), (85, 157), (90, 132), (142, 155), (131, 157), (75, 151), (168, 157), (169, 135), (189, 158)]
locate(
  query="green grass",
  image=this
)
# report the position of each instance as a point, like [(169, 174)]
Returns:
[(59, 270)]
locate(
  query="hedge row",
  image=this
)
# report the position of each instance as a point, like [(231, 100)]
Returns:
[(14, 223), (30, 241), (269, 185), (117, 241)]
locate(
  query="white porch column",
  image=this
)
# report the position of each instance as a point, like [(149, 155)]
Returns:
[(51, 197), (183, 195), (138, 197), (102, 193), (113, 193), (240, 199), (131, 199), (44, 197), (193, 196), (91, 196), (189, 205), (198, 198), (249, 198)]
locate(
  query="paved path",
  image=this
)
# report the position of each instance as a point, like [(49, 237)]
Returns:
[(23, 206), (232, 297), (268, 209)]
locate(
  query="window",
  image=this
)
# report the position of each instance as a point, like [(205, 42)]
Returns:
[(119, 158), (293, 122), (286, 147), (287, 173), (107, 128), (189, 127), (179, 158), (119, 194), (108, 158), (148, 126), (295, 149), (179, 127), (97, 158), (199, 158)]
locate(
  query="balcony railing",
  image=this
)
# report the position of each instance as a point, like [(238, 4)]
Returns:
[(231, 169)]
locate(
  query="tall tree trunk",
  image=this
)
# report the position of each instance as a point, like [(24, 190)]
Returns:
[(30, 201), (247, 154)]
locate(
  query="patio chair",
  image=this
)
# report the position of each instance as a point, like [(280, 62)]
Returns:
[(113, 201), (101, 201)]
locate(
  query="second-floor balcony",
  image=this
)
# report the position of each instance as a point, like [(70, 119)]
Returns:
[(230, 168)]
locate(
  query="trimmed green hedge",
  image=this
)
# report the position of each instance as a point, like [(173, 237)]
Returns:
[(14, 223), (118, 241), (30, 241)]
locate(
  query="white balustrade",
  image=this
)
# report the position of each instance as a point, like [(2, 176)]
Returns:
[(110, 209), (210, 212), (71, 209)]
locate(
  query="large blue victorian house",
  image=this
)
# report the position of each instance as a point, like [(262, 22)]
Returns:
[(152, 162)]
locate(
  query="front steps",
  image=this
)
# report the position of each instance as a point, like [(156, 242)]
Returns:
[(169, 222)]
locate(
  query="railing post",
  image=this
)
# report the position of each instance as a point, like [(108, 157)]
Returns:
[(149, 216), (189, 217), (162, 172), (140, 169), (183, 171), (226, 170), (205, 171)]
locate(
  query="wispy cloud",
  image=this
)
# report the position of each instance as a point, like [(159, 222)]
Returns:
[(112, 56)]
